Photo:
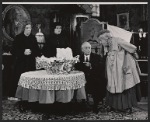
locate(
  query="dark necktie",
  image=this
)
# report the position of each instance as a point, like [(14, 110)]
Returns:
[(86, 59)]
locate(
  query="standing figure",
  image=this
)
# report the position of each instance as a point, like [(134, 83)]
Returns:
[(143, 44), (93, 66), (57, 40), (40, 39), (25, 50), (123, 87)]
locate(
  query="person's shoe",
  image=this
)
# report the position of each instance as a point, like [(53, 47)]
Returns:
[(129, 111), (10, 98), (85, 105), (110, 109), (102, 109), (22, 109), (13, 98), (95, 109), (16, 99), (45, 117)]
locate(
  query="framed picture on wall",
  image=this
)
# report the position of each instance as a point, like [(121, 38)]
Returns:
[(14, 17), (123, 21)]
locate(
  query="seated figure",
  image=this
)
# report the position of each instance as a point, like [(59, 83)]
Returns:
[(93, 66)]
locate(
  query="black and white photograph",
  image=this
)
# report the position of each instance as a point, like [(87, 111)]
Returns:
[(74, 61)]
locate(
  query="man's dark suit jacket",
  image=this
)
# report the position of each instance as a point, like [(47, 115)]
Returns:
[(95, 76), (143, 43)]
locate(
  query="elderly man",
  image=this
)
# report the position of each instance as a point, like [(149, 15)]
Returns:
[(94, 68)]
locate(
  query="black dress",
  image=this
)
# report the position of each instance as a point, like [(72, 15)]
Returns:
[(55, 41), (23, 63)]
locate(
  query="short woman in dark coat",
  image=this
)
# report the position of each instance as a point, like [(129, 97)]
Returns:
[(25, 50)]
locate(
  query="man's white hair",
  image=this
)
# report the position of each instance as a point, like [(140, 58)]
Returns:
[(85, 44)]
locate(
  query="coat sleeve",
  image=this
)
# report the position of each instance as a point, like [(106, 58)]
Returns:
[(17, 48), (36, 50), (126, 46)]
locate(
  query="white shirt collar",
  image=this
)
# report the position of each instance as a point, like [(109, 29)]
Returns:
[(86, 56)]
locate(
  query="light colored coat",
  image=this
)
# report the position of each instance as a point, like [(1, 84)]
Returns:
[(122, 72)]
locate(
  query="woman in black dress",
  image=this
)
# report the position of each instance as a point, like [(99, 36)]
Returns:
[(25, 50), (57, 40)]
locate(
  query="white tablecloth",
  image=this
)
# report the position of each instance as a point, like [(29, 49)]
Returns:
[(40, 86)]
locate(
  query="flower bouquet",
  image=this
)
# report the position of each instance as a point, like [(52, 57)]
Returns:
[(55, 65)]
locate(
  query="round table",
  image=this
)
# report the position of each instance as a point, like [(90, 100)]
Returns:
[(45, 88)]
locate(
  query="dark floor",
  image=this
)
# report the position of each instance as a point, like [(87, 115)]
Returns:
[(70, 111)]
